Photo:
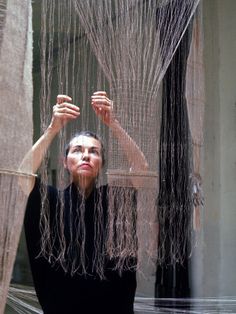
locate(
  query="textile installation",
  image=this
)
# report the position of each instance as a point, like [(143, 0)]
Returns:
[(133, 42), (124, 47), (16, 128), (180, 155)]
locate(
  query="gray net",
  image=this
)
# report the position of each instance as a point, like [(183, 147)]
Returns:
[(134, 43), (68, 67), (16, 128), (124, 47)]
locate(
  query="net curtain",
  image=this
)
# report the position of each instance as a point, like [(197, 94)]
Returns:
[(16, 128), (22, 102)]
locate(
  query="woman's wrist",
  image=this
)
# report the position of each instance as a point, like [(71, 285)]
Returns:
[(53, 129), (114, 125)]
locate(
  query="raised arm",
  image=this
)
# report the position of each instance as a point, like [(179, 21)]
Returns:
[(63, 112), (102, 106)]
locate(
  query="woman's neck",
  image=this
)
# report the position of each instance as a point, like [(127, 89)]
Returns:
[(85, 186)]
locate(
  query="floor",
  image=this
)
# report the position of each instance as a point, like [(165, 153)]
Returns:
[(24, 301), (189, 306)]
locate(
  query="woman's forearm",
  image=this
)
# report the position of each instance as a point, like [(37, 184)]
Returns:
[(63, 112), (33, 159), (133, 153), (35, 156)]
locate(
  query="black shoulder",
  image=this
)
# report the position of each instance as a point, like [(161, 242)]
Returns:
[(33, 206), (40, 189)]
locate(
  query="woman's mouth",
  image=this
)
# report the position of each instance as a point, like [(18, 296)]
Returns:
[(85, 166)]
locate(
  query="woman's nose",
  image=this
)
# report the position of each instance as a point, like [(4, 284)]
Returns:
[(85, 155)]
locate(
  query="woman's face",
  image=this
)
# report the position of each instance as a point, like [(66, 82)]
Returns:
[(84, 159)]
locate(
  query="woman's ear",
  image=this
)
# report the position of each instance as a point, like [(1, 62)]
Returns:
[(65, 162)]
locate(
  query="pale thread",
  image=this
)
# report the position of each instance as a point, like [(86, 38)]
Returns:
[(128, 45), (123, 47), (134, 43), (16, 129)]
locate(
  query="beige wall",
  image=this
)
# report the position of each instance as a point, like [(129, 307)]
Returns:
[(214, 270)]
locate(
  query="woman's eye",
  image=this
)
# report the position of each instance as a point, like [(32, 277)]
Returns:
[(77, 150), (95, 152)]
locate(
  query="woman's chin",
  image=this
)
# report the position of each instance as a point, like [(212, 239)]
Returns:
[(85, 175)]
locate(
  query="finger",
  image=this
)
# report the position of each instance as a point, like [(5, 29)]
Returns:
[(101, 107), (58, 109), (67, 116), (100, 100), (101, 97), (98, 110), (102, 93), (69, 106), (63, 98)]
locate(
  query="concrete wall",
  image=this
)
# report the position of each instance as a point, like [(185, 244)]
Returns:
[(227, 120), (214, 267)]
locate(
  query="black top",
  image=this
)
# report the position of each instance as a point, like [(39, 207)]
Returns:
[(61, 293)]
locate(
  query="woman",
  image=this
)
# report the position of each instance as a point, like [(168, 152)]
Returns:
[(75, 275)]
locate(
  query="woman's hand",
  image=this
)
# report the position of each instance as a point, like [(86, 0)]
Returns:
[(63, 112), (102, 106)]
